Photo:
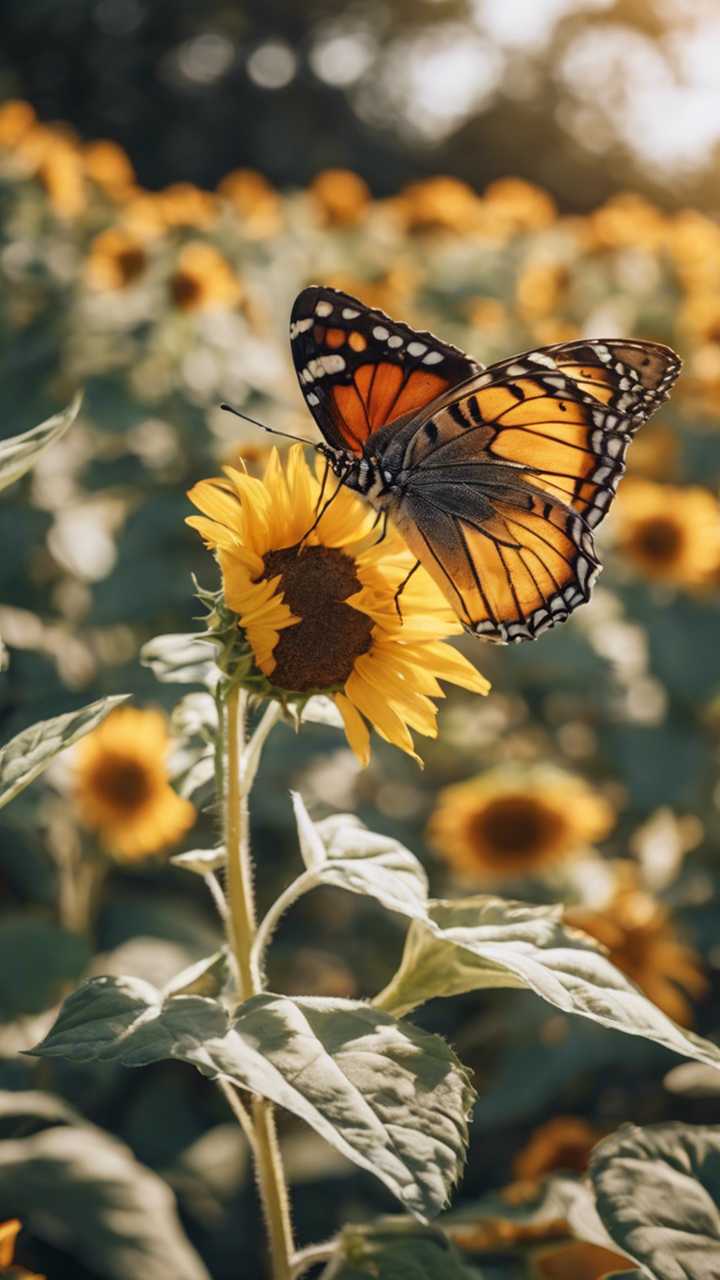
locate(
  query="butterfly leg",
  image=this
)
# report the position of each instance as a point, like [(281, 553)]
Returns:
[(401, 588), (322, 511), (323, 484)]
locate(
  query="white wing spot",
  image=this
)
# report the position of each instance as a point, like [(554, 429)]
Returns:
[(416, 348), (381, 333), (433, 357), (312, 398), (395, 340), (301, 326), (349, 313), (323, 309)]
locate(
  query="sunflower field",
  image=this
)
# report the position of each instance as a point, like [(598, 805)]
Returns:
[(238, 1038)]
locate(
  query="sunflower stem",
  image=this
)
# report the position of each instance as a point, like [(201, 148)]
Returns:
[(242, 929), (270, 922)]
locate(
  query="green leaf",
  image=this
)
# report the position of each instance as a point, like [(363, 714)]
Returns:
[(342, 852), (30, 752), (391, 1098), (83, 1191), (38, 960), (19, 453), (181, 659), (481, 942), (657, 1193), (395, 1250), (201, 861)]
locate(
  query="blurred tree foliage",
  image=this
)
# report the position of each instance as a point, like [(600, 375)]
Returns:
[(194, 89)]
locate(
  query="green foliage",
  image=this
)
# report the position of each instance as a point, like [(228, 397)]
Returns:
[(30, 752), (38, 961), (390, 1097), (395, 1250), (77, 1187), (19, 453), (658, 1195)]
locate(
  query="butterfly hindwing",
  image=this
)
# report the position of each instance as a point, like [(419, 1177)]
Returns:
[(360, 371), (509, 479)]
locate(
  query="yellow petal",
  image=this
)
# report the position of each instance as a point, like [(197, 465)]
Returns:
[(356, 731)]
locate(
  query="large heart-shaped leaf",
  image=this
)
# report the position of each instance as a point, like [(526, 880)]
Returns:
[(19, 453), (30, 752), (657, 1194), (390, 1097), (181, 659), (487, 942), (85, 1192)]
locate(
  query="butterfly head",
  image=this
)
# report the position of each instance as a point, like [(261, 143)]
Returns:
[(364, 474)]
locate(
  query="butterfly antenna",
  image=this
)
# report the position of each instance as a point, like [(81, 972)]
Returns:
[(229, 408)]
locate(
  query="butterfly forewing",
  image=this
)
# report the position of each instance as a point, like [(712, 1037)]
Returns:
[(501, 474), (359, 370)]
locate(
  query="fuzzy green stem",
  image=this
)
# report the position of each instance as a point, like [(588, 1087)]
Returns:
[(242, 928)]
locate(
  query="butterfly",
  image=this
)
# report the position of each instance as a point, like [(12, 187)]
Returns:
[(495, 477)]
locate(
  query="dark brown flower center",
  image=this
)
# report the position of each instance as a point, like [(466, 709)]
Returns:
[(130, 264), (123, 783), (320, 650), (513, 828), (659, 538), (185, 290)]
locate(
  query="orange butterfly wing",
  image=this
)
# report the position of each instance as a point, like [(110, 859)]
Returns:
[(360, 371)]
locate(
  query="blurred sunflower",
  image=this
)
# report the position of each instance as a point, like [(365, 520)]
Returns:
[(182, 204), (16, 120), (669, 533), (564, 1142), (577, 1260), (541, 290), (510, 205), (642, 943), (627, 221), (108, 166), (8, 1235), (203, 279), (317, 608), (341, 198), (437, 204), (55, 159), (121, 785), (255, 201), (116, 260), (516, 821)]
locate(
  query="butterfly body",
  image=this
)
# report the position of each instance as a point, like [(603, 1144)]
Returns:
[(495, 477)]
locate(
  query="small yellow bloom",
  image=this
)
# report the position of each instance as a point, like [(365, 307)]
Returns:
[(121, 785), (203, 279), (184, 205), (669, 533), (254, 200), (391, 292), (541, 290), (438, 204), (564, 1142), (8, 1235), (516, 821), (56, 161), (16, 120), (514, 205), (317, 608), (642, 943), (626, 221), (340, 197), (117, 259), (108, 166)]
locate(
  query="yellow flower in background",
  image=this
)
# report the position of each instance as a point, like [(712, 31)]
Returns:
[(564, 1142), (693, 242), (516, 821), (669, 533), (121, 785), (642, 943), (541, 289), (318, 608), (116, 259), (489, 315), (55, 159), (627, 221), (392, 292), (16, 120), (203, 279), (255, 201), (438, 204), (655, 451), (340, 197), (109, 167), (182, 204), (577, 1260), (513, 205)]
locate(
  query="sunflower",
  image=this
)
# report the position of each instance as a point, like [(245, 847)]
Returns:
[(203, 279), (627, 221), (316, 606), (255, 201), (516, 821), (122, 789), (512, 205), (182, 204), (340, 197), (442, 204), (108, 166), (564, 1142), (56, 161), (642, 943), (669, 533), (16, 120), (116, 259)]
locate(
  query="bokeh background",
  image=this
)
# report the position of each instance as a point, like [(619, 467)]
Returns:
[(508, 175)]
